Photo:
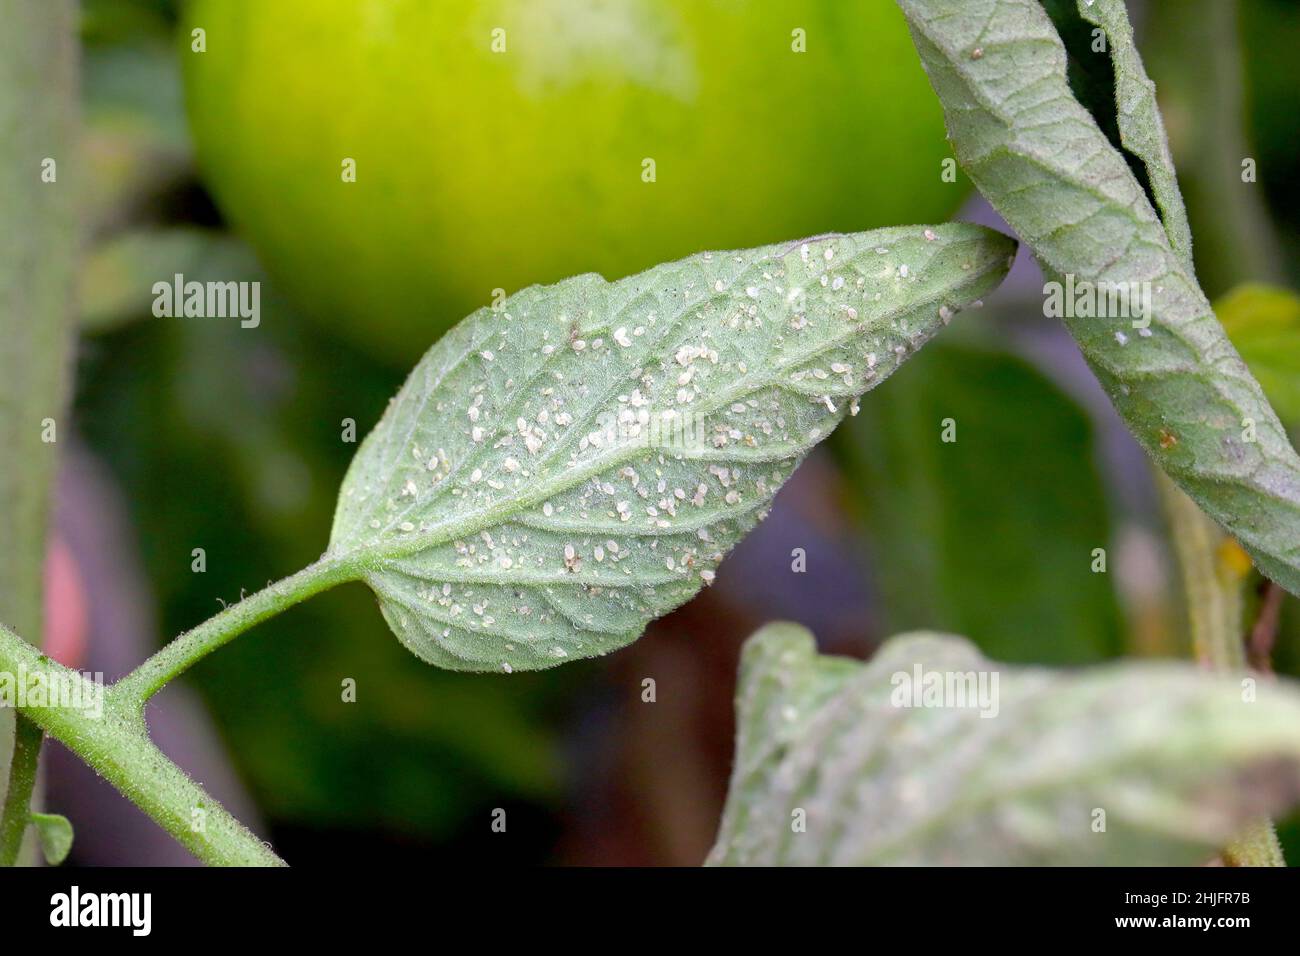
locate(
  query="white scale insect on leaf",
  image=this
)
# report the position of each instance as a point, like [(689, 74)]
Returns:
[(594, 487)]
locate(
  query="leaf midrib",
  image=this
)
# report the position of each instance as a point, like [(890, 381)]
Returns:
[(567, 479)]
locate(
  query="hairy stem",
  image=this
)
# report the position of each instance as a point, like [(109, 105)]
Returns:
[(22, 783), (107, 732), (1213, 569), (194, 645), (38, 248), (1211, 584), (105, 727)]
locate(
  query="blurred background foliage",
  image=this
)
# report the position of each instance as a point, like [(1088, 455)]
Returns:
[(228, 439)]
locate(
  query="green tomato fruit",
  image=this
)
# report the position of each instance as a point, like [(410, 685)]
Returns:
[(505, 142)]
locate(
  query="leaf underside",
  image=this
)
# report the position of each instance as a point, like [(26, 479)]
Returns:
[(560, 470), (1039, 157), (1175, 759)]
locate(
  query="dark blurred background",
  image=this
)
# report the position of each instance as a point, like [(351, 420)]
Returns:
[(195, 433)]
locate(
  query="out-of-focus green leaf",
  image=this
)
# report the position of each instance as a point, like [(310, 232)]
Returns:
[(55, 832), (932, 754), (991, 535), (112, 23), (1264, 324), (1201, 52), (136, 88), (1270, 35), (117, 277), (135, 136)]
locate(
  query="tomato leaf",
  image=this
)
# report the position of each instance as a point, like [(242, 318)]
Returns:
[(999, 68), (560, 470), (1141, 128), (1120, 764)]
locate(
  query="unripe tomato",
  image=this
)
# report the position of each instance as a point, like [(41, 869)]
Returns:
[(505, 142)]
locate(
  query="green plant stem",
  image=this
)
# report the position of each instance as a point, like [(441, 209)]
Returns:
[(114, 742), (38, 250), (1213, 588), (22, 783), (1213, 596), (194, 645)]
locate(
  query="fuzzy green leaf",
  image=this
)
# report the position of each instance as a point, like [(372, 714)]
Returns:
[(1161, 748), (999, 68), (561, 470), (55, 832), (1141, 128)]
